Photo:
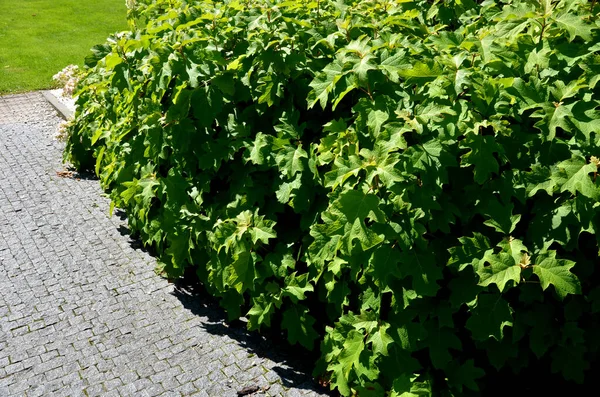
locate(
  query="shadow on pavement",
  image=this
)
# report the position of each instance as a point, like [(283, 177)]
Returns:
[(294, 364)]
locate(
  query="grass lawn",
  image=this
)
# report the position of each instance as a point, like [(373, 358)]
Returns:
[(40, 37)]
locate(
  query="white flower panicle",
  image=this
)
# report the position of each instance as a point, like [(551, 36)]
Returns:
[(130, 4), (68, 78), (62, 131)]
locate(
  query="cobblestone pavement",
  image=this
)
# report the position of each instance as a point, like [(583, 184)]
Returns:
[(81, 310)]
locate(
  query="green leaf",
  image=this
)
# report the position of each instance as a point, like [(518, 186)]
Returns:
[(440, 340), (232, 301), (424, 271), (500, 270), (481, 156), (300, 326), (324, 83), (206, 104), (573, 176), (290, 160), (539, 58), (356, 207), (242, 273), (541, 326), (500, 352), (516, 249), (287, 190), (259, 150), (471, 252), (556, 272), (178, 252), (575, 26), (407, 386), (421, 70), (430, 154), (464, 289), (553, 115), (297, 286), (382, 165), (376, 119), (571, 362), (349, 357), (343, 169), (501, 217), (225, 83), (262, 231), (539, 178), (383, 264), (261, 311), (398, 158), (394, 64), (380, 340), (489, 317), (460, 375), (362, 58), (432, 112)]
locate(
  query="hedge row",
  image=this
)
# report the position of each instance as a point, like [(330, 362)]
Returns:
[(410, 185)]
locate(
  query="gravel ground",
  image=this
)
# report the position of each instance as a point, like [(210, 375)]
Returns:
[(82, 312)]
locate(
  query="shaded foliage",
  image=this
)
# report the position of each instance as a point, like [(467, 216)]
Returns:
[(411, 184)]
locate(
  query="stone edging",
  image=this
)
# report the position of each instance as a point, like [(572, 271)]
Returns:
[(63, 107)]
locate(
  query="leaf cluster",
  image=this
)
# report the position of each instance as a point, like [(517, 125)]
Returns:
[(409, 184)]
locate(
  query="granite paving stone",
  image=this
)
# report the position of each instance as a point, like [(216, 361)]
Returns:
[(82, 312)]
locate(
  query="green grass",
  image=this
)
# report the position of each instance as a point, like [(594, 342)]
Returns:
[(40, 37)]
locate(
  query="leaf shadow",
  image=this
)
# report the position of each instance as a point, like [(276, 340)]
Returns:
[(292, 364)]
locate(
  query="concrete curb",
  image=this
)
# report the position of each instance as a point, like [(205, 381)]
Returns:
[(64, 111)]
